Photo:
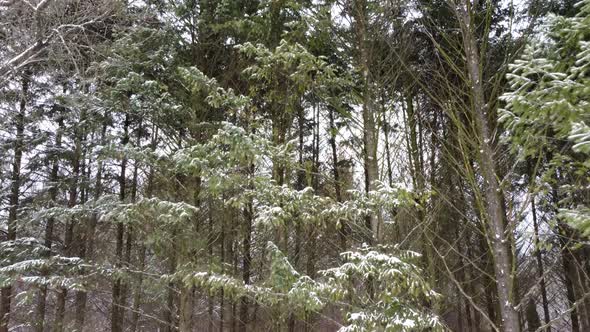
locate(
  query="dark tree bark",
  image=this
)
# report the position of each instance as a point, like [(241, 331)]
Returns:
[(344, 231), (370, 137), (59, 323), (117, 305), (246, 263), (532, 317), (137, 298), (53, 191), (129, 231), (14, 198), (569, 286), (540, 266)]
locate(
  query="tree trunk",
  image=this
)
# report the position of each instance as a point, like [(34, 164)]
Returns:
[(580, 258), (569, 285), (300, 181), (82, 237), (246, 263), (81, 295), (62, 294), (417, 167), (496, 218), (129, 235), (579, 289), (532, 317), (210, 242), (540, 267), (386, 132), (53, 191), (6, 292), (370, 137), (117, 304), (472, 317), (418, 179), (170, 310), (222, 254), (186, 309), (137, 298), (344, 230)]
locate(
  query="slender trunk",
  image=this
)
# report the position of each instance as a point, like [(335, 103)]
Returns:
[(129, 234), (53, 191), (370, 137), (433, 143), (574, 279), (127, 252), (210, 242), (82, 297), (417, 170), (489, 284), (569, 285), (246, 262), (462, 274), (386, 133), (467, 277), (81, 239), (138, 291), (500, 235), (229, 261), (532, 317), (344, 227), (541, 269), (244, 303), (278, 112), (584, 268), (580, 259), (222, 255), (280, 120), (235, 262), (221, 310), (170, 310), (569, 266), (117, 302), (459, 313), (137, 298), (97, 194), (316, 147), (300, 180), (580, 290), (482, 289), (62, 294), (418, 178), (6, 292), (334, 150)]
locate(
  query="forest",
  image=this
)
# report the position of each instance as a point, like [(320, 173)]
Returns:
[(295, 165)]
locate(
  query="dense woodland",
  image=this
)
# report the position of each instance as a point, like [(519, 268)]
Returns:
[(294, 165)]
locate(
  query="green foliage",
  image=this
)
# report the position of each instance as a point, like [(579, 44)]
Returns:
[(547, 107), (166, 157), (383, 291), (549, 87), (25, 261), (389, 299)]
